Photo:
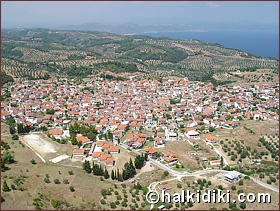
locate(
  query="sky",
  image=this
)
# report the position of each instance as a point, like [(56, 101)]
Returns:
[(207, 14)]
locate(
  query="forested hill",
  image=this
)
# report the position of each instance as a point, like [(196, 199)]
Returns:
[(42, 53)]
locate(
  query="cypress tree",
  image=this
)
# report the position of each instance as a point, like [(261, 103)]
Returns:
[(146, 156), (115, 174), (112, 175), (132, 170), (118, 175), (106, 174), (86, 166)]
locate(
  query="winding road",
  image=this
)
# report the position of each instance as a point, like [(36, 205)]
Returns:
[(179, 175)]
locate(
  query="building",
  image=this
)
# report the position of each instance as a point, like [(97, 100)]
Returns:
[(159, 142), (232, 176), (215, 162), (192, 142), (170, 158), (192, 134), (78, 153), (211, 139), (57, 133), (151, 151)]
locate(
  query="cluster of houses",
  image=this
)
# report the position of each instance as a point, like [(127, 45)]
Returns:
[(169, 158), (175, 108), (100, 151), (137, 140)]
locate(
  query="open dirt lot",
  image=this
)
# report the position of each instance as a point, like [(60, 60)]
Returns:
[(182, 149), (44, 147)]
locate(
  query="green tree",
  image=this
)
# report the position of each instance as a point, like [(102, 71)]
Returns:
[(65, 181), (113, 205), (112, 175), (56, 181), (139, 161), (222, 161), (47, 180), (70, 172), (7, 158), (72, 189), (240, 182), (211, 129), (91, 136), (5, 186), (165, 173), (242, 205), (73, 141), (20, 128), (15, 137), (106, 174), (54, 203), (86, 166)]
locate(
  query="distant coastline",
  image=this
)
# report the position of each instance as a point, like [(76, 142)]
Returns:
[(262, 43)]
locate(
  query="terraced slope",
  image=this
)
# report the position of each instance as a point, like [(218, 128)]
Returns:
[(43, 53)]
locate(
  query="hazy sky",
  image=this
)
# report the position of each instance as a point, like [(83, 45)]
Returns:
[(52, 14)]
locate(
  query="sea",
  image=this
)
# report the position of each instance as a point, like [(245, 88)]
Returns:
[(259, 43)]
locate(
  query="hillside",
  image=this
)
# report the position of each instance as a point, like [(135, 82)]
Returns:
[(42, 53)]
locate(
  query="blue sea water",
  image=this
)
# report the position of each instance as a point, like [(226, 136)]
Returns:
[(261, 43)]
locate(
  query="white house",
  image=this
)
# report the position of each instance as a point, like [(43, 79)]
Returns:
[(192, 134)]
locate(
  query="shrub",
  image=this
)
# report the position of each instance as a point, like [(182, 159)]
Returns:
[(246, 177), (56, 181), (71, 188), (5, 187), (33, 161), (272, 179), (15, 137), (113, 205), (70, 172), (65, 181), (240, 182), (124, 204), (54, 203), (46, 180), (179, 185), (242, 205), (240, 191), (13, 187), (268, 181), (104, 192), (165, 173)]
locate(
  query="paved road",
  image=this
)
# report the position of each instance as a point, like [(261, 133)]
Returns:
[(177, 174)]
